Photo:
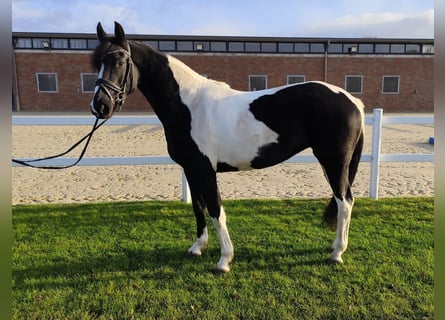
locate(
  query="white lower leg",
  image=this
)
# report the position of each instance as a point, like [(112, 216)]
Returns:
[(200, 243), (226, 243), (343, 219)]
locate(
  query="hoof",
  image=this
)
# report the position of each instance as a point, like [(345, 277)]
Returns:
[(192, 255), (219, 273), (334, 262)]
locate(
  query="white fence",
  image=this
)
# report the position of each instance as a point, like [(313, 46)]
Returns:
[(375, 157)]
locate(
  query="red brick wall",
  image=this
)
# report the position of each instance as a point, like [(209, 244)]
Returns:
[(416, 77)]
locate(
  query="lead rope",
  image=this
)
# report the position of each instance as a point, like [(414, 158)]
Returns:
[(27, 163)]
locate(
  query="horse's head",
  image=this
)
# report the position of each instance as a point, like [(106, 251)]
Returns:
[(117, 77)]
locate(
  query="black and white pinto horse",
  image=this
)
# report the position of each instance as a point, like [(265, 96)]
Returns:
[(210, 128)]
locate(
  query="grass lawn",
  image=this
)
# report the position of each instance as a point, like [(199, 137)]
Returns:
[(128, 261)]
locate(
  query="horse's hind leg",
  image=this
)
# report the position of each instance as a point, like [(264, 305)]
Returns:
[(340, 243), (339, 210)]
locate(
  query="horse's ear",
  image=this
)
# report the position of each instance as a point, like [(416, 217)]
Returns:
[(119, 32), (101, 35)]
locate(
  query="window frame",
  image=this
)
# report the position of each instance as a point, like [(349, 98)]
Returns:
[(55, 79), (295, 75), (356, 76), (82, 74), (383, 84), (251, 76)]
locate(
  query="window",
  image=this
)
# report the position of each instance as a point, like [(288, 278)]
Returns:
[(317, 47), (366, 48), (236, 46), (302, 47), (59, 43), (217, 46), (335, 48), (412, 48), (152, 43), (23, 43), (285, 47), (382, 48), (185, 46), (46, 82), (428, 48), (88, 81), (257, 83), (39, 43), (268, 47), (295, 79), (390, 84), (167, 45), (78, 43), (354, 84), (397, 48), (92, 43), (252, 47)]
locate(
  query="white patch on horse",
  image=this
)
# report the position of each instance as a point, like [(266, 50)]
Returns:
[(200, 243), (223, 127), (344, 209), (226, 243), (96, 88)]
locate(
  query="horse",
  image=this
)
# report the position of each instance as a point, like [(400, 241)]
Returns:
[(211, 127)]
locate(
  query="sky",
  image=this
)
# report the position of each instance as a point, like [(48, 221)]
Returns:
[(276, 18)]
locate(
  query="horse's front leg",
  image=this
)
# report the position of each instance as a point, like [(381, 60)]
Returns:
[(202, 236), (205, 193)]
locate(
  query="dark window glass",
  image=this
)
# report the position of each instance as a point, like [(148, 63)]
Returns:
[(285, 47), (185, 45), (390, 84), (366, 48), (397, 48), (413, 48), (88, 82), (218, 46), (268, 47), (47, 82), (257, 83), (335, 48), (236, 46), (317, 47), (302, 47), (382, 48), (354, 84), (252, 47), (295, 79), (167, 45)]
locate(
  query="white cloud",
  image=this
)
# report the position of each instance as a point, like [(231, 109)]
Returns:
[(384, 24)]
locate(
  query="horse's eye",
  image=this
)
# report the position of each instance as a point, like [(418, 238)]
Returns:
[(120, 64)]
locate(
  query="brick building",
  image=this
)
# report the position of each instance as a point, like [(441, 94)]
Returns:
[(52, 71)]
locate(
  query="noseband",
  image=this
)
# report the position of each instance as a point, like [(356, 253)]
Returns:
[(109, 87)]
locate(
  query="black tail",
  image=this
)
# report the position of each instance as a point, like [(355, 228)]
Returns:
[(330, 214)]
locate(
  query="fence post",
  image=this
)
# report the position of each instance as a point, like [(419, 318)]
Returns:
[(375, 153), (186, 196)]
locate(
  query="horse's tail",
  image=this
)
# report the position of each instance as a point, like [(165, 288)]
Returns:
[(330, 214)]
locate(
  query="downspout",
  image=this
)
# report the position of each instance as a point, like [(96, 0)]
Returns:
[(326, 48), (15, 87)]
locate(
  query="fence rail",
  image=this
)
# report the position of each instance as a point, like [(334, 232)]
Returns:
[(376, 120)]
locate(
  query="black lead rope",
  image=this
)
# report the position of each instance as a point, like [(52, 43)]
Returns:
[(27, 163)]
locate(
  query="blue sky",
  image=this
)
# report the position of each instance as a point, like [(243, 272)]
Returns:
[(288, 18)]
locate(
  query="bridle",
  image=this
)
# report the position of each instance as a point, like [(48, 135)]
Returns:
[(110, 87)]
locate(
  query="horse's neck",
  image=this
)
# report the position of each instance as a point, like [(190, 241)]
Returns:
[(193, 86)]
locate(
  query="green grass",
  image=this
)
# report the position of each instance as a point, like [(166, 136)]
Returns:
[(128, 261)]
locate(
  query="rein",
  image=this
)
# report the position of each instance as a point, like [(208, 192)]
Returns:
[(87, 137), (107, 86)]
